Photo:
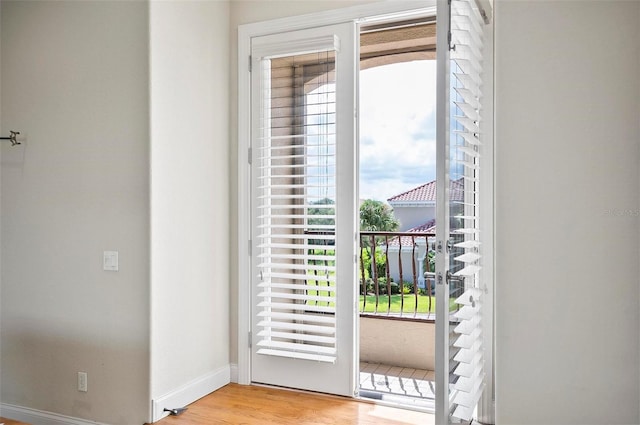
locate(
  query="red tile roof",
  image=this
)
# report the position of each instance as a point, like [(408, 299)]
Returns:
[(428, 227), (427, 192)]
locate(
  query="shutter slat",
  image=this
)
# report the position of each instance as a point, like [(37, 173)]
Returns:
[(306, 348), (468, 271), (306, 267), (469, 257), (467, 369), (297, 336), (467, 341), (298, 226), (469, 399), (270, 324), (292, 296), (469, 151), (299, 317), (469, 124), (470, 138), (297, 277), (292, 246), (462, 412), (467, 312), (466, 384), (468, 83), (296, 306), (468, 244), (297, 355), (297, 236), (468, 96), (469, 297), (297, 287), (314, 257), (466, 230)]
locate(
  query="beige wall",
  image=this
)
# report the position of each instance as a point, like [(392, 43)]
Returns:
[(398, 343), (567, 156), (75, 81), (125, 155), (189, 192)]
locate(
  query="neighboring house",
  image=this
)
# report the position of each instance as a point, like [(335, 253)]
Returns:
[(415, 209), (402, 248)]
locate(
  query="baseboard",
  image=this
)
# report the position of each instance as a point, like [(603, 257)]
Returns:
[(190, 392), (40, 417), (234, 373)]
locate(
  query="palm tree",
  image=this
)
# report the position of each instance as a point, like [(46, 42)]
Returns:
[(376, 216)]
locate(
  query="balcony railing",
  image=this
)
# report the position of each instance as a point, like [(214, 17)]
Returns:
[(396, 278)]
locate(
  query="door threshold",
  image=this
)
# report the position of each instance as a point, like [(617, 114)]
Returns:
[(299, 390), (418, 404), (415, 404)]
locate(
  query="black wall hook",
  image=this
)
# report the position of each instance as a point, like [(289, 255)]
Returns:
[(13, 137)]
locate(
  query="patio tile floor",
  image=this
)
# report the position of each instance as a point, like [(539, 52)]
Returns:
[(403, 386)]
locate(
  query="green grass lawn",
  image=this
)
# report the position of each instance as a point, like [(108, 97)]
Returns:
[(396, 304), (383, 300)]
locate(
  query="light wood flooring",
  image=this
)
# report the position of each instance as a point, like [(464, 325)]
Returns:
[(248, 405), (4, 421)]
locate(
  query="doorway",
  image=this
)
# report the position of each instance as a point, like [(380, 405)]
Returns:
[(397, 169), (313, 254)]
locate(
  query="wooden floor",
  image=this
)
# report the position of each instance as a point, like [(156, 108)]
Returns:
[(247, 404), (4, 421)]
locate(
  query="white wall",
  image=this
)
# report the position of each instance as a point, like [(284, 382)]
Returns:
[(189, 196), (414, 216), (567, 146), (75, 80)]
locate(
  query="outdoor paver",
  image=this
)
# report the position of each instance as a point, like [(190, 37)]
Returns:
[(419, 374), (382, 369), (397, 381), (407, 373), (395, 371), (368, 367)]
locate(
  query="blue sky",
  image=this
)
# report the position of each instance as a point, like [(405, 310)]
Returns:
[(397, 128)]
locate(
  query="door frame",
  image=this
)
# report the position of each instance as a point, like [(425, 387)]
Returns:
[(361, 14)]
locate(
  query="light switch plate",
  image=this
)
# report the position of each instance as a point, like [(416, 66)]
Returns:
[(110, 261)]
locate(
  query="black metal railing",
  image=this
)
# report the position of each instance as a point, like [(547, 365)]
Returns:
[(396, 278)]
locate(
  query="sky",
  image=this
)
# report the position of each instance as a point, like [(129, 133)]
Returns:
[(397, 128)]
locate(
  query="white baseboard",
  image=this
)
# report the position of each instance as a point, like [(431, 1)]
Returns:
[(40, 417), (190, 392), (234, 373)]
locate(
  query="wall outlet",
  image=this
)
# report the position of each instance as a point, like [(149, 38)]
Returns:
[(82, 381)]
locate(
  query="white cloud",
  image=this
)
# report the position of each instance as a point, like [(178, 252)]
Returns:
[(397, 128)]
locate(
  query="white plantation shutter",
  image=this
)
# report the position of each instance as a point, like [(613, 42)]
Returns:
[(294, 158), (462, 143), (466, 255)]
